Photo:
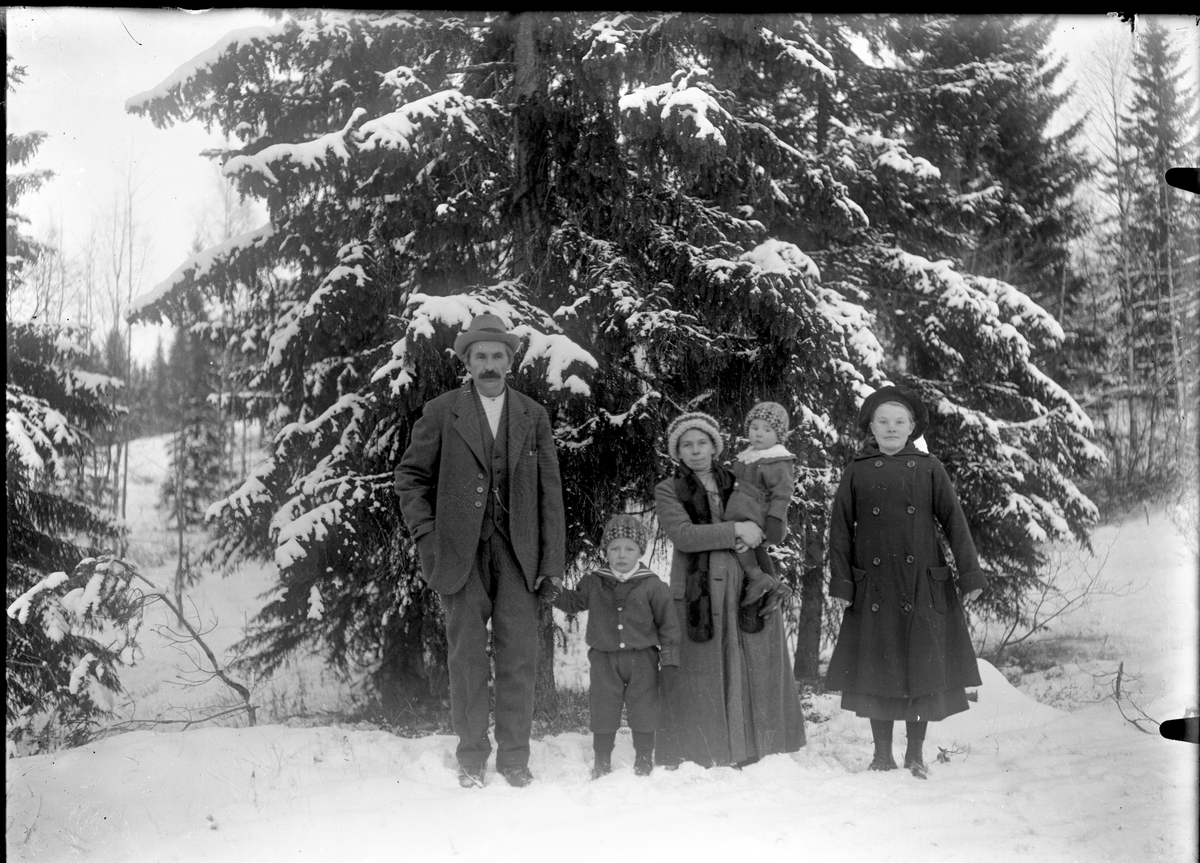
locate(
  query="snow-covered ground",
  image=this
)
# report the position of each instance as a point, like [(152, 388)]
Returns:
[(1024, 780)]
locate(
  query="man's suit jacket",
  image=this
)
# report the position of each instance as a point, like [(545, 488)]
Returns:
[(442, 484)]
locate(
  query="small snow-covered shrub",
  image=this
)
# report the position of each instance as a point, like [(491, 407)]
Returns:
[(66, 636)]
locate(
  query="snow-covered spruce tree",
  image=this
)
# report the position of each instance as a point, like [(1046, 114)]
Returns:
[(628, 190), (1013, 440), (975, 96), (58, 670)]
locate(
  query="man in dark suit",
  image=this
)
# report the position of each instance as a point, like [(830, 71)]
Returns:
[(480, 492)]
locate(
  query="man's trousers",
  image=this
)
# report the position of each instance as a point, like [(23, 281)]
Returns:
[(495, 590)]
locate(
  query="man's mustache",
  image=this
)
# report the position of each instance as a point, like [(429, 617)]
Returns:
[(486, 376)]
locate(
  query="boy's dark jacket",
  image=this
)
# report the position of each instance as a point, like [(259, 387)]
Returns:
[(904, 634), (626, 615)]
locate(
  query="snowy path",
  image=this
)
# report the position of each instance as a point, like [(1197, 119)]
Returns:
[(1028, 782)]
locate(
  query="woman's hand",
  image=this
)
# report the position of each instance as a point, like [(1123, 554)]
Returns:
[(841, 602), (973, 595), (747, 532)]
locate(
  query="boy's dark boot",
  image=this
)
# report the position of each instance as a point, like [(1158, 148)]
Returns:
[(643, 752), (602, 745), (881, 731), (914, 759)]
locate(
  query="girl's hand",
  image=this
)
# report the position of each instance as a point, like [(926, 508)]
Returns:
[(739, 546), (973, 595), (748, 532)]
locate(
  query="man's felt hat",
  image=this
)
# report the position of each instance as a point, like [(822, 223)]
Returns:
[(485, 328), (900, 395)]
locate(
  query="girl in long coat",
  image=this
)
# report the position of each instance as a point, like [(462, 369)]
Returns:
[(903, 652), (735, 699)]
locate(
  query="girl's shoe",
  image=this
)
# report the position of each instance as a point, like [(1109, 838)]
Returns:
[(916, 764), (882, 761)]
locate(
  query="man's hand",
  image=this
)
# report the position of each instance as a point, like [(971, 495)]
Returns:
[(548, 589), (973, 595), (667, 676)]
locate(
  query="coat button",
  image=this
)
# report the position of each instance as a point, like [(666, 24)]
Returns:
[(911, 510), (874, 606), (907, 607), (478, 504), (912, 464), (622, 644), (620, 626), (479, 489), (481, 476), (875, 511), (879, 464), (908, 559), (875, 561)]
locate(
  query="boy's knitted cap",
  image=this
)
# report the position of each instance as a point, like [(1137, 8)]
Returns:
[(689, 421), (773, 414), (622, 526), (901, 395)]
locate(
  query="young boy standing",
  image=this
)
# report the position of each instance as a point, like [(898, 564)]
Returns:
[(633, 640)]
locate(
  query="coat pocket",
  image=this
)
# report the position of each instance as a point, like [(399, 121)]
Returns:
[(939, 583), (860, 589), (427, 552)]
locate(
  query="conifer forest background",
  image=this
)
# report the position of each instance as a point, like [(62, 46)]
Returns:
[(674, 212)]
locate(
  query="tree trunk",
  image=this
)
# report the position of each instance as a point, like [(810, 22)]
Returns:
[(806, 666), (529, 195)]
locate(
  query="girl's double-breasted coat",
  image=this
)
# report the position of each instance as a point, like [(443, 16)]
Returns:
[(904, 635)]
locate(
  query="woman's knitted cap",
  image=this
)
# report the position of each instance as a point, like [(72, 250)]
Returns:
[(622, 526), (689, 421), (773, 414), (901, 395)]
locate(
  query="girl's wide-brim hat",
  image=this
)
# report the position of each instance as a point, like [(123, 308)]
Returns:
[(694, 420), (485, 328), (902, 395)]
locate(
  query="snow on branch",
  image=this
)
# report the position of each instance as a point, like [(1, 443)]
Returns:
[(813, 56), (426, 313), (307, 529), (198, 266), (397, 130), (19, 609), (232, 41), (560, 353), (309, 154), (779, 256)]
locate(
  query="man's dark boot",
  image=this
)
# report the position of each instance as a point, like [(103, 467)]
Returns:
[(470, 777), (518, 777)]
